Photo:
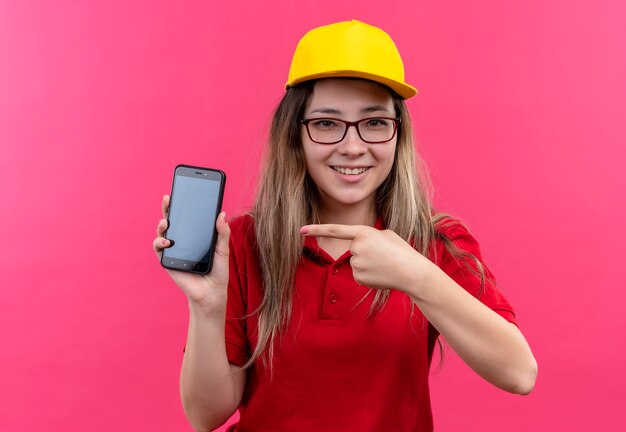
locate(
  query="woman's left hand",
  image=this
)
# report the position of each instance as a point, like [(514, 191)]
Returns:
[(380, 258)]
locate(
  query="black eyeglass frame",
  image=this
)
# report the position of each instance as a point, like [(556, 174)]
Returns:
[(396, 122)]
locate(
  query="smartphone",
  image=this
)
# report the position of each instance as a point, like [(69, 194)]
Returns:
[(195, 202)]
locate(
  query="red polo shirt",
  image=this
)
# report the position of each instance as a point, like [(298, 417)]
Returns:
[(336, 369)]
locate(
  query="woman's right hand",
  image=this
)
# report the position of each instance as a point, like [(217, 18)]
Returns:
[(209, 292)]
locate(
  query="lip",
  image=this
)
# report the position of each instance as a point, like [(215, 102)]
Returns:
[(350, 178), (348, 166)]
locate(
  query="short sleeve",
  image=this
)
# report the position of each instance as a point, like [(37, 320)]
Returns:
[(237, 346), (457, 268)]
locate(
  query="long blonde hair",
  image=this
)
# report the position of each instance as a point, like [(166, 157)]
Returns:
[(288, 199)]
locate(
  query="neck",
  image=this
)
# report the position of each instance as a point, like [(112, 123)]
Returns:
[(360, 214)]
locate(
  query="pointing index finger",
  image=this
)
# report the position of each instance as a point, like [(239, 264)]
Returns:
[(346, 232)]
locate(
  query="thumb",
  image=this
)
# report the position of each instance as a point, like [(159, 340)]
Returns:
[(223, 235)]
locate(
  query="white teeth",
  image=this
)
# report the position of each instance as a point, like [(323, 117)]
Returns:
[(350, 171)]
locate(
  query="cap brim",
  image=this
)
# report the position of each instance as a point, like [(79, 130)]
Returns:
[(404, 90)]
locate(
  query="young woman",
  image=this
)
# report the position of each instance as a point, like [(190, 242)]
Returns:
[(324, 304)]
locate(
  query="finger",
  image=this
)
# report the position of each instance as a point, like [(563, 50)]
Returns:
[(346, 232), (223, 235), (162, 227), (165, 205), (160, 243)]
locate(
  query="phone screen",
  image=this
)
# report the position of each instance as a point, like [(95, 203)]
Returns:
[(194, 205)]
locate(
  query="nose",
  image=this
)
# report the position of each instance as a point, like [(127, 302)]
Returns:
[(352, 144)]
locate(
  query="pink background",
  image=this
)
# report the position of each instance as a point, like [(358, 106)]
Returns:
[(520, 116)]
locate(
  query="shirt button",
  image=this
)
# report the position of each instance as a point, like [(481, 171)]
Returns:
[(336, 270), (332, 298)]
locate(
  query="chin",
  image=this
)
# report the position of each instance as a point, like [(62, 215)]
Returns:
[(350, 198)]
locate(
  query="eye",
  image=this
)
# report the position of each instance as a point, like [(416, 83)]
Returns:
[(377, 123), (324, 124)]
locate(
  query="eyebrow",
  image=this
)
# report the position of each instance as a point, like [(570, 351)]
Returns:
[(368, 109)]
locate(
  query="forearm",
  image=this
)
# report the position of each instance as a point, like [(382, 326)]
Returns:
[(208, 389), (489, 344)]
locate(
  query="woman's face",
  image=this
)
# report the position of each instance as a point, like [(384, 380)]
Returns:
[(349, 172)]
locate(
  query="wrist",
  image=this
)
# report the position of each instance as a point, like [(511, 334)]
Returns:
[(213, 306), (419, 275)]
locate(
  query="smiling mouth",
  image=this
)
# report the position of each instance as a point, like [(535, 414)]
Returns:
[(350, 171)]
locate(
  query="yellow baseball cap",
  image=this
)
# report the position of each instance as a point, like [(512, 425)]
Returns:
[(349, 49)]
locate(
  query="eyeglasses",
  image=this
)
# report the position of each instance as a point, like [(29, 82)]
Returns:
[(372, 130)]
